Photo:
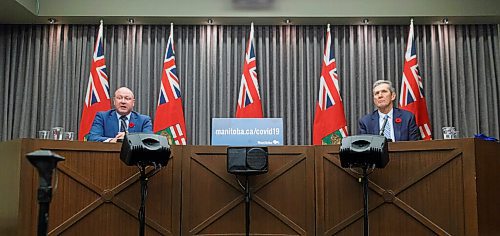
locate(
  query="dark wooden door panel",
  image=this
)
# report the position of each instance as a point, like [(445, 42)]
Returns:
[(282, 199)]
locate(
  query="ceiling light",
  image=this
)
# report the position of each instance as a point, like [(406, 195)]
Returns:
[(131, 20), (366, 21), (52, 21), (210, 21), (445, 21), (288, 21)]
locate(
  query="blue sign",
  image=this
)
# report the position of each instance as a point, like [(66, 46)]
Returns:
[(247, 131)]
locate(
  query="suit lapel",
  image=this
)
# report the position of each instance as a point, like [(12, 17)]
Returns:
[(113, 122), (132, 122), (397, 126), (375, 123)]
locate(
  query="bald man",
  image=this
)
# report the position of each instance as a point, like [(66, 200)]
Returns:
[(111, 126)]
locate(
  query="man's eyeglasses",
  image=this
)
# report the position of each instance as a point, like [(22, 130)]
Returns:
[(125, 98)]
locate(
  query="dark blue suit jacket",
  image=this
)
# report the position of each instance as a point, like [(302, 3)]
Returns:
[(105, 125), (406, 130)]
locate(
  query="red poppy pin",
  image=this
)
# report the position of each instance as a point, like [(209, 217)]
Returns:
[(131, 125), (398, 120)]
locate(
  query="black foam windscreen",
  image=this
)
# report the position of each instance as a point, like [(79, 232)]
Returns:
[(247, 160), (364, 150), (145, 149)]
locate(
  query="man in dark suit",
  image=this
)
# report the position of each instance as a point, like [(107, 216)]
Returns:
[(111, 126), (400, 124)]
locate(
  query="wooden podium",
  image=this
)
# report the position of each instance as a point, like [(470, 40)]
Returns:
[(96, 194), (443, 187), (282, 200)]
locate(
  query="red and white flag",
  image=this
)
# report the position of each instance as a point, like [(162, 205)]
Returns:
[(249, 103), (169, 118), (97, 97), (330, 124), (412, 96)]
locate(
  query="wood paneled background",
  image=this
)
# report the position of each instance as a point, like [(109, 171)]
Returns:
[(442, 187)]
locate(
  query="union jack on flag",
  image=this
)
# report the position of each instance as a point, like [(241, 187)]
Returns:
[(97, 97), (330, 125), (329, 78), (412, 96), (249, 103), (169, 118), (172, 85)]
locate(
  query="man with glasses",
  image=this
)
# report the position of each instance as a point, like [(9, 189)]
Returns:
[(111, 126)]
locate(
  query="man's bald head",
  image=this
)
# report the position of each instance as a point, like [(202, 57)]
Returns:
[(124, 101)]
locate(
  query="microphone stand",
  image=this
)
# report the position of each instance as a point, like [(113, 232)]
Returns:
[(144, 192), (45, 162), (364, 181)]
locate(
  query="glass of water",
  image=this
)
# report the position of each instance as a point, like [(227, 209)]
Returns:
[(450, 132), (69, 136), (57, 133), (43, 134)]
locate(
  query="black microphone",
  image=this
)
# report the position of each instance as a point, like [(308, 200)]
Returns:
[(124, 125), (383, 125)]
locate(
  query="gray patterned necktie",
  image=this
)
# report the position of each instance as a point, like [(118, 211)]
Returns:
[(123, 124), (387, 128)]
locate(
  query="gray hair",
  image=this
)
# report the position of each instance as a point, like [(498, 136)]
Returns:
[(379, 82)]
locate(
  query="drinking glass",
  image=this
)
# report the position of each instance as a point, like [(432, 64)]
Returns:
[(450, 132), (43, 134), (69, 136), (57, 133)]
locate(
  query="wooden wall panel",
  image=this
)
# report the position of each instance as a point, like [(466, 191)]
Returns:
[(427, 188), (97, 194), (441, 187), (10, 187), (487, 176), (282, 200)]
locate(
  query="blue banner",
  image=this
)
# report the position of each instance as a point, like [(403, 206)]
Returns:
[(247, 131)]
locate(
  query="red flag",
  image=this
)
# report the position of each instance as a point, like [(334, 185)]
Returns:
[(249, 104), (97, 97), (169, 118), (330, 124), (412, 90)]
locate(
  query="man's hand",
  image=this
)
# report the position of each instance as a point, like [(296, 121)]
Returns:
[(119, 136)]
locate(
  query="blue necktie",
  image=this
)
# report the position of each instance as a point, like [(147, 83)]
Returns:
[(387, 128)]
